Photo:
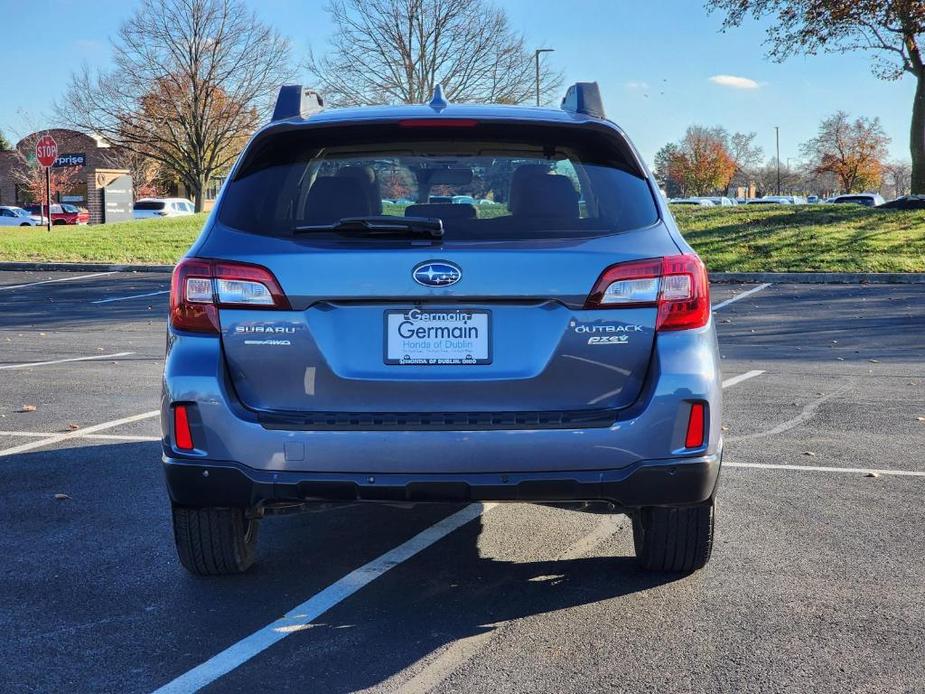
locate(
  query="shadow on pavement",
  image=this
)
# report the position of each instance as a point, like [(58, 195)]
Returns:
[(90, 586)]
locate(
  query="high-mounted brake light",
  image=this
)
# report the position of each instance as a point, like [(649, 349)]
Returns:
[(438, 123), (200, 287), (677, 285)]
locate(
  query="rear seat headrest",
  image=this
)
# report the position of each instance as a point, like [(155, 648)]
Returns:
[(370, 184), (536, 193), (332, 198)]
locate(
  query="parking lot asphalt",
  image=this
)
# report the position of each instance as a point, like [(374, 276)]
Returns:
[(817, 581)]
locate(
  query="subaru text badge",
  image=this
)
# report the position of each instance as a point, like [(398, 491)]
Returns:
[(436, 274)]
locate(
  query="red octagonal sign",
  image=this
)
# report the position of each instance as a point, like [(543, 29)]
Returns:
[(46, 150)]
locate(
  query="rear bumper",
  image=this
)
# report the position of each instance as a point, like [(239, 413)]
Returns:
[(670, 482)]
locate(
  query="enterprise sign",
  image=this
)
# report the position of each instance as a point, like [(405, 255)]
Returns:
[(71, 159)]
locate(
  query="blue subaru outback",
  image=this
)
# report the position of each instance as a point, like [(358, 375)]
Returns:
[(440, 303)]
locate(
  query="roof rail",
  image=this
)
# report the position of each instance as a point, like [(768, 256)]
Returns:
[(296, 101), (584, 97)]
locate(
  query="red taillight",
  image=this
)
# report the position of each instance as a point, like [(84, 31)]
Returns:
[(676, 284), (695, 428), (200, 287), (183, 437), (438, 123)]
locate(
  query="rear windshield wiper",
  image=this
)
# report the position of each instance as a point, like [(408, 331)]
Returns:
[(413, 227)]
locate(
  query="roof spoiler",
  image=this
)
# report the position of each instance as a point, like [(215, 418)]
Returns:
[(296, 101), (584, 97)]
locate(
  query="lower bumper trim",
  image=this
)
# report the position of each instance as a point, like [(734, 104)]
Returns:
[(671, 482)]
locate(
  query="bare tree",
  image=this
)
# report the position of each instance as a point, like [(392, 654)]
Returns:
[(395, 51), (891, 30), (191, 82), (898, 175), (747, 157)]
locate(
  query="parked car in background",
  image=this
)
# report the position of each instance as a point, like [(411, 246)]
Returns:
[(152, 208), (770, 200), (905, 202), (719, 201), (11, 216), (702, 202), (866, 199), (61, 213), (812, 200)]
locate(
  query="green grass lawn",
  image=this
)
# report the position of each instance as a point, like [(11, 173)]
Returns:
[(782, 238), (746, 239)]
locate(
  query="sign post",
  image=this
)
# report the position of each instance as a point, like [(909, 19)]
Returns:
[(46, 151)]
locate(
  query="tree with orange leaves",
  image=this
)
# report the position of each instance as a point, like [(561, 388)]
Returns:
[(699, 164), (855, 151)]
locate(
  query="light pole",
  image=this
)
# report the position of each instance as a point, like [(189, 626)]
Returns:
[(777, 138), (536, 55)]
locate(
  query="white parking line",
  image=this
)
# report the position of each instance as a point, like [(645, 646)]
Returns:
[(59, 279), (741, 377), (79, 433), (823, 468), (751, 291), (301, 616), (26, 365), (126, 298)]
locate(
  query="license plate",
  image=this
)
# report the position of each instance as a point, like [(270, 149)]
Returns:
[(437, 337)]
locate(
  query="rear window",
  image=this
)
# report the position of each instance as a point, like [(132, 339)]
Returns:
[(483, 182), (149, 205)]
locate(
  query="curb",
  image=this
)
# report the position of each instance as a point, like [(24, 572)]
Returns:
[(83, 267), (820, 277), (719, 277)]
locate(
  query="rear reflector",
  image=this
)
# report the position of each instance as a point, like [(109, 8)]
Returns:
[(695, 428), (676, 285), (183, 437), (200, 287)]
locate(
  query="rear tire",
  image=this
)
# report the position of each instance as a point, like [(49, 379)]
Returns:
[(214, 541), (676, 539)]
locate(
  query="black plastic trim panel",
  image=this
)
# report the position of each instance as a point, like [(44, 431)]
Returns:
[(443, 421)]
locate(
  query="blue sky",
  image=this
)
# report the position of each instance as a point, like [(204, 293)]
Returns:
[(653, 60)]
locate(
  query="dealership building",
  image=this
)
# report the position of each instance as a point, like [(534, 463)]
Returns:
[(100, 184)]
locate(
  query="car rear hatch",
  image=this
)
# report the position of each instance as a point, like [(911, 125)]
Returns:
[(493, 324)]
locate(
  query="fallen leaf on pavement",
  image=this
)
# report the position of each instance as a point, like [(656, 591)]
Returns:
[(28, 408), (872, 474), (809, 453), (73, 427), (61, 497)]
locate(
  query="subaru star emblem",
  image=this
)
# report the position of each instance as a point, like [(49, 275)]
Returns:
[(436, 274)]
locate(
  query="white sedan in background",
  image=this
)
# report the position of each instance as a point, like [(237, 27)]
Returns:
[(701, 202), (11, 216), (153, 208)]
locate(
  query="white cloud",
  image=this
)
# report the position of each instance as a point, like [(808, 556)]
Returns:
[(734, 82), (637, 85)]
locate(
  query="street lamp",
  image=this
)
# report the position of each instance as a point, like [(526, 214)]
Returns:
[(777, 138), (536, 55)]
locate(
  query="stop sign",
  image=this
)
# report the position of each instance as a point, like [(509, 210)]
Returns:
[(46, 150)]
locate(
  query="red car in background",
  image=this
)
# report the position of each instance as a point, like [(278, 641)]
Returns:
[(62, 213)]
